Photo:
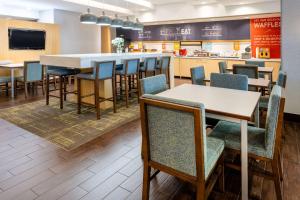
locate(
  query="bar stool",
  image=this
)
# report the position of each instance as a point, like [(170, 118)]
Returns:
[(164, 67), (63, 73), (130, 71), (150, 65), (102, 71)]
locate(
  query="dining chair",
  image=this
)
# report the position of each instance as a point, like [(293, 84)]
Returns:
[(281, 81), (33, 73), (198, 75), (222, 67), (62, 73), (102, 71), (263, 143), (164, 67), (256, 63), (230, 81), (153, 84), (175, 142), (249, 70), (4, 82), (127, 74), (150, 65)]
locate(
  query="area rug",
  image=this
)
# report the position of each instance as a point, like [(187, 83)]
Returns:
[(66, 128)]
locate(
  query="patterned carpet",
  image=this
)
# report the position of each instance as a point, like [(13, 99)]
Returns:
[(66, 128)]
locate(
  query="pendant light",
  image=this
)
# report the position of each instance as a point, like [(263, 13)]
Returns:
[(138, 26), (88, 18), (128, 24), (104, 20), (117, 23)]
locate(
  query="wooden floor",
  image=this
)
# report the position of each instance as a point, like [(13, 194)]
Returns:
[(107, 168)]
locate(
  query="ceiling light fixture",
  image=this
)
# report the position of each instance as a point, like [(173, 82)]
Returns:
[(88, 18), (138, 26), (117, 22), (143, 3), (104, 20), (128, 24), (102, 6)]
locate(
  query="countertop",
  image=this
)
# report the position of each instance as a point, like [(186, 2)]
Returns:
[(229, 58)]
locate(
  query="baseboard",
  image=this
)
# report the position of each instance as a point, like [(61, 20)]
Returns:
[(291, 117)]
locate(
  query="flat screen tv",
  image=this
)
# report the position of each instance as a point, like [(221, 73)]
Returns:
[(21, 39)]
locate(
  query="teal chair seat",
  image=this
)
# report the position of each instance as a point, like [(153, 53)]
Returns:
[(230, 132), (5, 79), (263, 102), (214, 150)]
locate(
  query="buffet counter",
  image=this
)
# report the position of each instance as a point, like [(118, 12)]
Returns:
[(183, 64)]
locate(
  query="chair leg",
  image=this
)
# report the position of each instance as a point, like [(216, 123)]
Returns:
[(61, 98), (47, 89), (200, 191), (26, 89), (65, 88), (6, 88), (97, 98), (114, 94), (169, 79), (146, 182), (78, 95), (43, 89), (275, 170), (280, 166), (126, 91), (221, 180)]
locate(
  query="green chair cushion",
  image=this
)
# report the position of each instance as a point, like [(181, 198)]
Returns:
[(230, 132), (215, 148), (263, 102)]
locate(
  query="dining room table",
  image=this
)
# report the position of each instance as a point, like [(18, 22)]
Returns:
[(12, 67), (224, 104)]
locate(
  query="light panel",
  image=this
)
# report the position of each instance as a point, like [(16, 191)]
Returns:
[(102, 6), (143, 3)]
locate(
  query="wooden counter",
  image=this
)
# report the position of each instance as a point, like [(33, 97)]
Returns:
[(182, 65)]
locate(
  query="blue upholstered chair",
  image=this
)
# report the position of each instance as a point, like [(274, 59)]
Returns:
[(173, 143), (150, 65), (164, 67), (230, 81), (128, 74), (62, 73), (249, 70), (102, 71), (198, 75), (33, 73), (281, 81), (263, 144), (4, 80), (223, 67), (153, 84), (256, 63)]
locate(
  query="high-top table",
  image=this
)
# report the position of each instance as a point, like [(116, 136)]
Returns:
[(12, 67), (84, 61), (225, 104)]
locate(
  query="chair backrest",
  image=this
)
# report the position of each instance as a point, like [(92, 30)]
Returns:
[(153, 84), (255, 62), (282, 77), (230, 81), (174, 134), (165, 62), (33, 71), (105, 69), (249, 70), (132, 66), (150, 63), (198, 75), (223, 67), (274, 120)]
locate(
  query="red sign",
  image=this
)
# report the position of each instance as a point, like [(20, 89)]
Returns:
[(266, 37)]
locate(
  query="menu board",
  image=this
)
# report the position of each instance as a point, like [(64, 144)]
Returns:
[(217, 30), (265, 33)]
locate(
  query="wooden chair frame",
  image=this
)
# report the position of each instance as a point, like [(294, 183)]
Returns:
[(98, 99), (146, 67), (203, 188), (168, 68)]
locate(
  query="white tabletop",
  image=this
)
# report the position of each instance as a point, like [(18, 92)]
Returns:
[(13, 65), (226, 102)]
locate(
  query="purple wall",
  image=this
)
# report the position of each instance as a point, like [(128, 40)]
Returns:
[(221, 30)]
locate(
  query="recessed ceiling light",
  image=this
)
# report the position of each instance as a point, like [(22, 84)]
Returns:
[(141, 3), (102, 6)]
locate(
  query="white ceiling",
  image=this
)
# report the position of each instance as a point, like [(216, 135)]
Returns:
[(64, 5)]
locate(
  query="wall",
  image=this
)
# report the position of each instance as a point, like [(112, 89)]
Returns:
[(52, 40), (76, 37), (291, 53), (188, 11)]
